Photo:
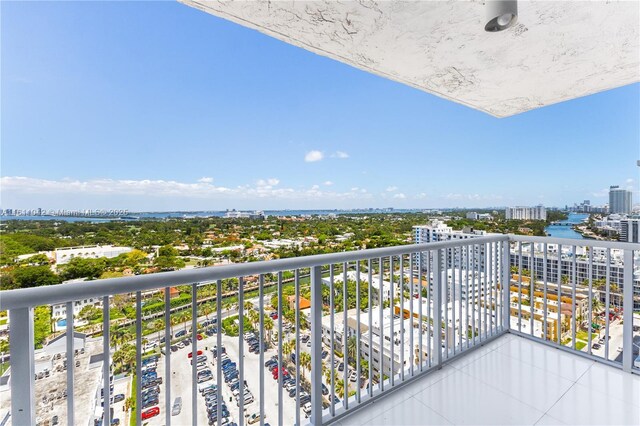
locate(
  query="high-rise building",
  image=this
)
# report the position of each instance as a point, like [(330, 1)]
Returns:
[(526, 213), (619, 200), (630, 230)]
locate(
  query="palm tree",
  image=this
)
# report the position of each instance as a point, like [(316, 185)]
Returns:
[(129, 403), (183, 317), (340, 391), (288, 347), (206, 309), (268, 326), (158, 325), (352, 348), (174, 319), (326, 371), (227, 305), (254, 318), (305, 362), (596, 305)]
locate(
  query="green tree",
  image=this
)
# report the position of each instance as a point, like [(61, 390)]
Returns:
[(168, 262), (90, 313), (268, 326), (33, 276), (37, 260), (340, 388), (305, 362), (168, 251), (352, 348), (79, 267), (41, 325), (134, 258)]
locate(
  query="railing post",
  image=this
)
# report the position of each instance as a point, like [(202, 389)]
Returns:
[(316, 345), (627, 306), (506, 284), (437, 307), (23, 403)]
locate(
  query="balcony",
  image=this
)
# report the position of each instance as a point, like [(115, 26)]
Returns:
[(414, 334), (511, 380)]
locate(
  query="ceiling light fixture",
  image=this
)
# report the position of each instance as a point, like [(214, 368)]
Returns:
[(501, 14)]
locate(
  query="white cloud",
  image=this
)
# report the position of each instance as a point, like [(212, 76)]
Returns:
[(392, 188), (340, 154), (355, 188), (154, 189), (421, 196), (399, 196), (268, 182), (473, 197), (601, 193), (205, 180), (313, 156), (328, 183)]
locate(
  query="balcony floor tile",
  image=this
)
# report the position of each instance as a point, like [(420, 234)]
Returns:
[(464, 399), (584, 405), (511, 381), (529, 384), (561, 363)]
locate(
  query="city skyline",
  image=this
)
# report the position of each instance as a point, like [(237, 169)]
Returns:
[(107, 112)]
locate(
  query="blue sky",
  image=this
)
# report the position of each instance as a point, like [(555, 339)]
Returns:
[(158, 106)]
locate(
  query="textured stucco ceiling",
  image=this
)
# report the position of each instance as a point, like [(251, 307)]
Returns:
[(559, 50)]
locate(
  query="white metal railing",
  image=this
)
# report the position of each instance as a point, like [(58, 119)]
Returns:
[(563, 292), (408, 310)]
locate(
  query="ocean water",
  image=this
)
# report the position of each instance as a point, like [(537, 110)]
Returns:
[(566, 231)]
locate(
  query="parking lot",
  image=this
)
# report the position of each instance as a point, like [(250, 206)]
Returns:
[(181, 384)]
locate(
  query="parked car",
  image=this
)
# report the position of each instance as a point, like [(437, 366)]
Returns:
[(152, 412), (325, 390), (177, 406), (253, 418), (181, 333)]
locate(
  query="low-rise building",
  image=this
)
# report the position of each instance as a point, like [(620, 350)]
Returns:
[(65, 254)]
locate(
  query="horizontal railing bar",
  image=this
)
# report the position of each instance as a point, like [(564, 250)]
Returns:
[(570, 242), (37, 296)]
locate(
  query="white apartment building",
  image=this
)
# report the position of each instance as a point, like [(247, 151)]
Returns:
[(388, 359), (437, 230), (620, 200), (630, 230), (583, 272), (236, 214), (611, 223), (59, 311), (479, 216), (526, 213), (473, 257), (65, 254)]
